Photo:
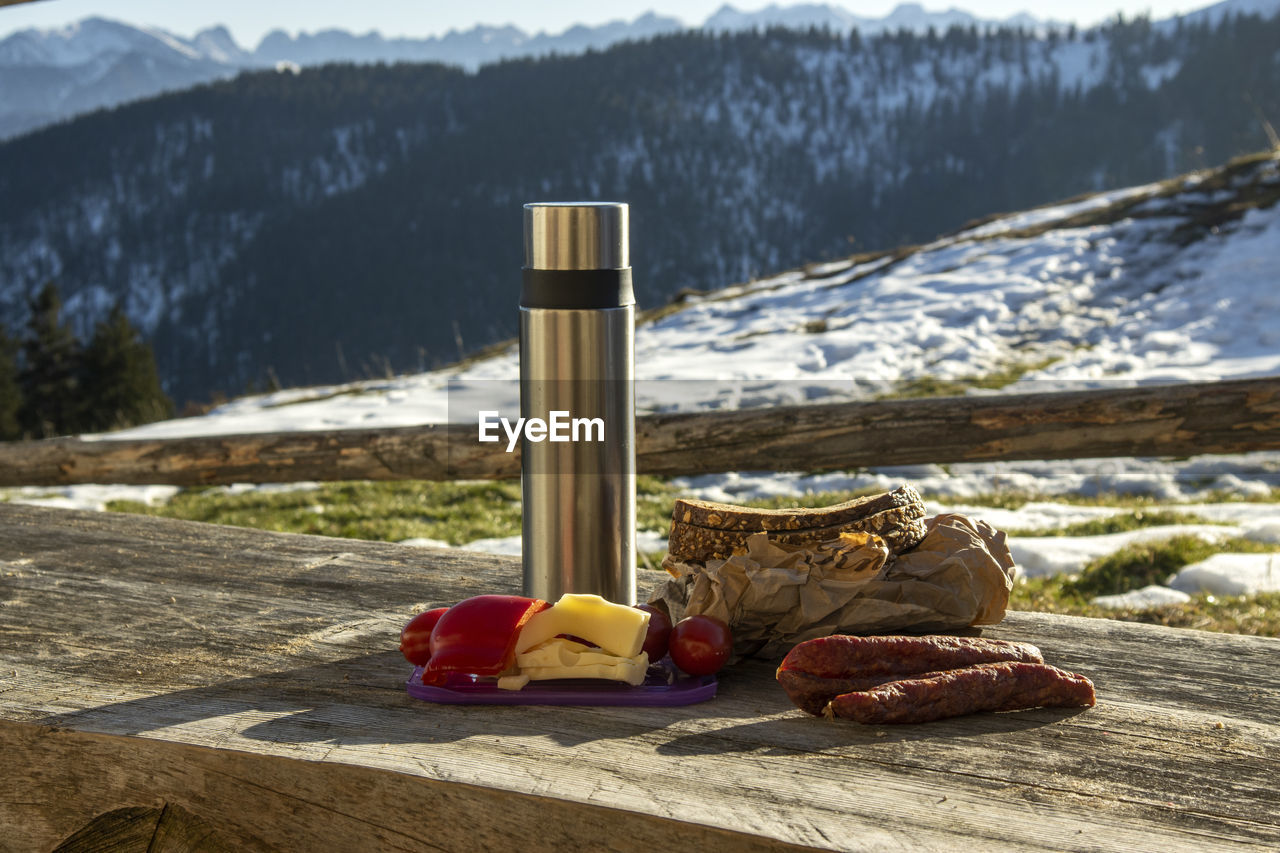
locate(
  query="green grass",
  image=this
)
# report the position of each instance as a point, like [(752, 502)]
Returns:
[(1145, 563), (463, 512), (654, 498), (1119, 523), (1017, 500), (387, 511), (1141, 507), (1244, 614), (7, 496), (932, 386), (391, 511)]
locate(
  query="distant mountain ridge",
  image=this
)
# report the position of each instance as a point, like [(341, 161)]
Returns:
[(350, 219), (51, 75), (905, 16)]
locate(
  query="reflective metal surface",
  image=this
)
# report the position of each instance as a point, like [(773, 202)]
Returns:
[(579, 496), (576, 236)]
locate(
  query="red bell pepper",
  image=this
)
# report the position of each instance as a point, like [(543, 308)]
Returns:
[(415, 638), (478, 636)]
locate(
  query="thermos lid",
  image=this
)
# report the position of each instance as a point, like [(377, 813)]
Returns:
[(576, 235), (576, 256)]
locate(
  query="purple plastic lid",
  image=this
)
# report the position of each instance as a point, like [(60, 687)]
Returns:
[(661, 687)]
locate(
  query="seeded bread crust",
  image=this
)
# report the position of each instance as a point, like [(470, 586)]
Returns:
[(727, 517), (702, 530)]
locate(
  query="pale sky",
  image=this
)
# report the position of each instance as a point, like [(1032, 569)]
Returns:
[(249, 20)]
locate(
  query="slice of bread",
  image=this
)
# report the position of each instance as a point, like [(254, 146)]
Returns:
[(702, 530)]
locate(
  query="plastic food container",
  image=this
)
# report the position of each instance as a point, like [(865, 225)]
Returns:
[(662, 687)]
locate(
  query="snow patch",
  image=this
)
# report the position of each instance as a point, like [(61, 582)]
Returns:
[(1231, 574), (88, 497), (424, 542), (1147, 598), (1043, 556)]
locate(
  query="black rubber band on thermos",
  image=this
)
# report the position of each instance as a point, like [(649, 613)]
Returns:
[(577, 289)]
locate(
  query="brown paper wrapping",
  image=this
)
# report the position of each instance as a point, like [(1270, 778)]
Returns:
[(776, 595)]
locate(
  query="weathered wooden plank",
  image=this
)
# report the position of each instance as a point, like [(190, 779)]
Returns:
[(204, 665), (166, 829), (419, 453), (324, 806), (1174, 420)]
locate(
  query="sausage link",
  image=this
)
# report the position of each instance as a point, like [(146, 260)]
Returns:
[(811, 693), (1004, 686), (843, 656)]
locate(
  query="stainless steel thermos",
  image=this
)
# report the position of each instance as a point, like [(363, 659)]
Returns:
[(577, 366)]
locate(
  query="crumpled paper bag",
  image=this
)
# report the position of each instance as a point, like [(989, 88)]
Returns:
[(776, 595)]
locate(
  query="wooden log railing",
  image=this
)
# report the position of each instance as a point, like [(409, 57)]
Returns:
[(1169, 420)]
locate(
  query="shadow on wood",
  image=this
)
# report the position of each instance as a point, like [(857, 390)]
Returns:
[(252, 679), (138, 829)]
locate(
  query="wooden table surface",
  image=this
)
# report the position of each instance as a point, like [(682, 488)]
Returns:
[(173, 685)]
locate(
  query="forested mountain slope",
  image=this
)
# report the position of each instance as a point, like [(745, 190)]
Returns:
[(333, 222)]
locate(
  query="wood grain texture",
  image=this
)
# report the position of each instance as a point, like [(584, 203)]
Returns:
[(126, 829), (251, 679), (1174, 420), (167, 829)]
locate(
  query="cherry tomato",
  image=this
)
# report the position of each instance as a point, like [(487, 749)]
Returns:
[(415, 638), (659, 633), (700, 645)]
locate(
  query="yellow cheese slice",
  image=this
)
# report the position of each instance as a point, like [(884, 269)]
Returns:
[(559, 652), (626, 670), (554, 652), (512, 682), (615, 628), (561, 658)]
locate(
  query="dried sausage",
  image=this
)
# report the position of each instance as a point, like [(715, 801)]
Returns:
[(811, 693), (843, 656), (1004, 686)]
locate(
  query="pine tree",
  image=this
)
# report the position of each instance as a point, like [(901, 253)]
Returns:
[(10, 394), (50, 361), (121, 385)]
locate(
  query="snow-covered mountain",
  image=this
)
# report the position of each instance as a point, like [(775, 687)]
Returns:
[(242, 244), (905, 16), (50, 75), (1171, 281), (1217, 11), (1166, 282), (53, 74)]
